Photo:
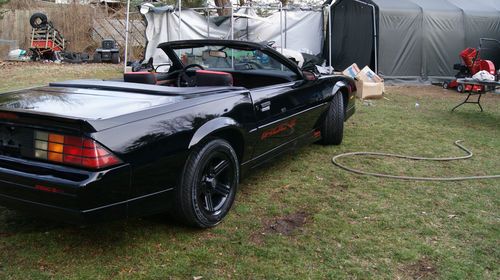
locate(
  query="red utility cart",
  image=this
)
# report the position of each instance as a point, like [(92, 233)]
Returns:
[(46, 41)]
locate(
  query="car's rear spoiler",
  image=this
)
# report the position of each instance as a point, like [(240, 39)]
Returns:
[(43, 120)]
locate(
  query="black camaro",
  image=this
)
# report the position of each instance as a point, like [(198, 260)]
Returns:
[(91, 150)]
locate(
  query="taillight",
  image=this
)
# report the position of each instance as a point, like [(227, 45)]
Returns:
[(72, 150)]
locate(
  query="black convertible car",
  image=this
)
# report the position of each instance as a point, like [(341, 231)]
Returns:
[(92, 150)]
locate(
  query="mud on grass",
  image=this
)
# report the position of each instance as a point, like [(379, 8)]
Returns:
[(285, 226), (422, 269)]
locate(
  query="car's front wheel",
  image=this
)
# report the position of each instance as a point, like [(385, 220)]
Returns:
[(208, 185)]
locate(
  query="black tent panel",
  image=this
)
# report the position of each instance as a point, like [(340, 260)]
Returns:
[(352, 34)]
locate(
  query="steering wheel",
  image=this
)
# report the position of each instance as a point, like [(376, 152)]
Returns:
[(188, 78)]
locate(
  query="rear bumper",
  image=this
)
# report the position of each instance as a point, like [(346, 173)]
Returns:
[(62, 193), (67, 215)]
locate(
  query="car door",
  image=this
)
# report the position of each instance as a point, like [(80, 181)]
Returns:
[(285, 113)]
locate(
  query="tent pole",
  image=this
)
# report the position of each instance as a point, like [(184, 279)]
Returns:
[(126, 37), (286, 27), (281, 26), (208, 20), (375, 35), (329, 7), (180, 20), (232, 35), (232, 22), (375, 38)]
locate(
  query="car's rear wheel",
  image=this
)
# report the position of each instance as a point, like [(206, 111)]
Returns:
[(208, 185), (332, 129)]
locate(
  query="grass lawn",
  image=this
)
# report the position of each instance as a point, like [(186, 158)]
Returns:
[(17, 75), (300, 217)]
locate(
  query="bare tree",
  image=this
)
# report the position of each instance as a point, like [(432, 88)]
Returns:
[(222, 4), (284, 2)]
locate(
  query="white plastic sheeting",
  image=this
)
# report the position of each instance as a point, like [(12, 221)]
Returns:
[(302, 30)]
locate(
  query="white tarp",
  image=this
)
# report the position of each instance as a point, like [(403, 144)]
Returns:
[(302, 30)]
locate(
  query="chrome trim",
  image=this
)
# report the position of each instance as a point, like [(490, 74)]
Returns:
[(291, 116), (126, 201)]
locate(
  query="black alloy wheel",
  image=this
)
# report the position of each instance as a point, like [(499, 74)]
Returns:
[(215, 184), (209, 184)]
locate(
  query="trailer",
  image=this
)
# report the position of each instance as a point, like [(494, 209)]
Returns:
[(46, 41)]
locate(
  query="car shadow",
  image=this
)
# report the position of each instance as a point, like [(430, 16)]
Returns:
[(115, 233), (14, 223)]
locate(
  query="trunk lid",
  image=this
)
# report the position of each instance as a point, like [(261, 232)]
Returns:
[(80, 103)]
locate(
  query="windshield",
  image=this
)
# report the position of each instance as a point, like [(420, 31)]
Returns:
[(226, 58)]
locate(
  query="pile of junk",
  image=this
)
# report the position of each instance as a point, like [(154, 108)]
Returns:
[(475, 67), (48, 44)]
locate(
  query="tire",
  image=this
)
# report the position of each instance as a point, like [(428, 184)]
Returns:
[(115, 58), (97, 58), (460, 88), (208, 185), (445, 85), (332, 128), (38, 20), (84, 57)]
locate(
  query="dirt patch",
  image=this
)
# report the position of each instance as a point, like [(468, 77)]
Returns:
[(422, 269), (285, 225)]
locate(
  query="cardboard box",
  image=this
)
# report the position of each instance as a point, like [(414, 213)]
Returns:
[(369, 90), (367, 75), (351, 71), (368, 83)]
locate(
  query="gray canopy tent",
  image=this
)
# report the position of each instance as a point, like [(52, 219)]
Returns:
[(408, 40)]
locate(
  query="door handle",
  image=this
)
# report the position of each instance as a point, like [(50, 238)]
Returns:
[(264, 106)]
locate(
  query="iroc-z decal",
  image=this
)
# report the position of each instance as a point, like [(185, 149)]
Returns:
[(282, 130)]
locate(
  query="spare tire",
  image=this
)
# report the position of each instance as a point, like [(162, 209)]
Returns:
[(38, 20)]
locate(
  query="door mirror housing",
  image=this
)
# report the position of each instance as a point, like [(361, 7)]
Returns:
[(309, 76)]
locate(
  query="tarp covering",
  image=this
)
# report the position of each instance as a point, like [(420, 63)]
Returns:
[(302, 30), (418, 40)]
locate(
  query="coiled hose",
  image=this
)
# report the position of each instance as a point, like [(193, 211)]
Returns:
[(457, 143)]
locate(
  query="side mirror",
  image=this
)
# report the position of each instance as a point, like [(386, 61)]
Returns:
[(309, 76)]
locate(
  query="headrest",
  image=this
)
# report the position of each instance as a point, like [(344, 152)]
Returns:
[(213, 78), (140, 77)]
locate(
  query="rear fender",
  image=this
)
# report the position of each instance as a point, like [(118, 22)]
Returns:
[(339, 85), (212, 126), (346, 88)]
